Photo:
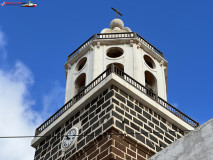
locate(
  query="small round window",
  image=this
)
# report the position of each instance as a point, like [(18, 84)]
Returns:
[(81, 64), (115, 52), (149, 61)]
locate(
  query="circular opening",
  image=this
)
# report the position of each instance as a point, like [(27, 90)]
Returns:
[(114, 52), (149, 61), (81, 64)]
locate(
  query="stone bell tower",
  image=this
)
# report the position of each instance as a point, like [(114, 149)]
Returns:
[(115, 102)]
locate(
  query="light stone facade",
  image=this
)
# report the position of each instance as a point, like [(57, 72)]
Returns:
[(132, 59)]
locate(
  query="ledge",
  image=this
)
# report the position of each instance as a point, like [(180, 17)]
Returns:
[(106, 79)]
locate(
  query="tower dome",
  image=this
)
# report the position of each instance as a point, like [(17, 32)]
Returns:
[(116, 23), (116, 26)]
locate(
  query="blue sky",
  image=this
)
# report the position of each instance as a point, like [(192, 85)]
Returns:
[(38, 40)]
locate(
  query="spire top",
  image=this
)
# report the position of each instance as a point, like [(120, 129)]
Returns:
[(116, 10)]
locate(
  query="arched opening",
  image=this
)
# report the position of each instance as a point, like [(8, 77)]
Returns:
[(118, 65), (81, 64), (119, 68), (150, 83), (80, 83), (115, 52), (149, 61)]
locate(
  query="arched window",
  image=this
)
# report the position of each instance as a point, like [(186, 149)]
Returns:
[(150, 83), (119, 68), (118, 65), (80, 83)]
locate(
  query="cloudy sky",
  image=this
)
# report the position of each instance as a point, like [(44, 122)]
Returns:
[(35, 42)]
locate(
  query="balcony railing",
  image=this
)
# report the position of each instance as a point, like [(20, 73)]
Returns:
[(130, 80), (115, 36), (71, 102)]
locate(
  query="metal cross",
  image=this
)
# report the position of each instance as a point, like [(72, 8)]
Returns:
[(117, 12)]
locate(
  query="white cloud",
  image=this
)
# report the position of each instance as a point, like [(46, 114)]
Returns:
[(16, 116)]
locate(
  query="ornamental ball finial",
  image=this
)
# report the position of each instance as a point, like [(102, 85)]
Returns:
[(116, 23)]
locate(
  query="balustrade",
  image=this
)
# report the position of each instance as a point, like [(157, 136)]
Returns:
[(127, 78)]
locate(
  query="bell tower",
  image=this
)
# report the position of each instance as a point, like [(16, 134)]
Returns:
[(115, 102), (117, 46)]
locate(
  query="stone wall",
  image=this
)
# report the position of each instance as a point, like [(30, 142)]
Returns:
[(112, 146), (92, 120), (112, 108), (143, 124)]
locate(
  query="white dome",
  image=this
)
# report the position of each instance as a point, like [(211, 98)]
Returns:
[(116, 23)]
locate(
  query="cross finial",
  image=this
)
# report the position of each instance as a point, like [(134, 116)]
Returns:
[(117, 12)]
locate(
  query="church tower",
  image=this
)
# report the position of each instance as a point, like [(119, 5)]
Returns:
[(115, 102)]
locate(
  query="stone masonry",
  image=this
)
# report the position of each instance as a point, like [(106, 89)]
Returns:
[(113, 125), (110, 146)]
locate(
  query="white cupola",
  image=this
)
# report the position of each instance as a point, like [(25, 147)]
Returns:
[(125, 49)]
